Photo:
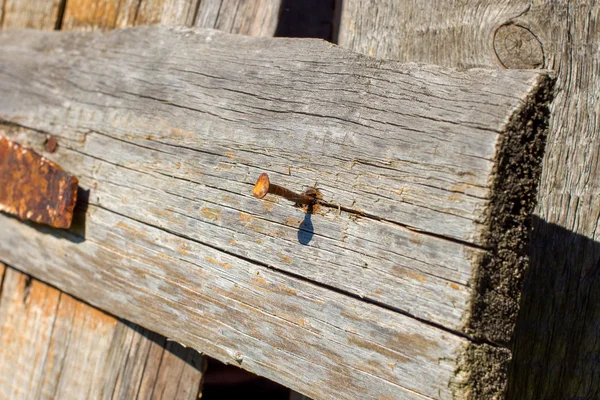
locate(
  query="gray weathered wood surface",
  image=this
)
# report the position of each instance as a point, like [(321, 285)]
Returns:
[(55, 347), (101, 356), (556, 341), (253, 18), (240, 312), (411, 164), (169, 143), (101, 15)]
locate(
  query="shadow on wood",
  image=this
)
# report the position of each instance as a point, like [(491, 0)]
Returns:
[(306, 230), (563, 285)]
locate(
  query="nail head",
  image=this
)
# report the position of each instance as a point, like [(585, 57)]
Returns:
[(261, 187)]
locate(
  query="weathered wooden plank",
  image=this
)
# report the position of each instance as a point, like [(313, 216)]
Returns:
[(24, 336), (408, 174), (97, 14), (562, 36), (131, 368), (39, 14), (253, 18), (405, 31), (180, 12), (262, 320), (85, 15), (562, 286), (53, 346)]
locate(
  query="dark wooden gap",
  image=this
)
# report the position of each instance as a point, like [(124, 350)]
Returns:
[(307, 18), (60, 15), (222, 381)]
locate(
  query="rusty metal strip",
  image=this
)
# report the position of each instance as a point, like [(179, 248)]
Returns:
[(34, 188)]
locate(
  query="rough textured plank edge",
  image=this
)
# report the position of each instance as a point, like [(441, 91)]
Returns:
[(499, 277), (486, 370)]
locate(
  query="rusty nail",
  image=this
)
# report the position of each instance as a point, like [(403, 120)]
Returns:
[(264, 186), (51, 144)]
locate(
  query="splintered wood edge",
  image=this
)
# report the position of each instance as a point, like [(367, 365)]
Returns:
[(499, 275)]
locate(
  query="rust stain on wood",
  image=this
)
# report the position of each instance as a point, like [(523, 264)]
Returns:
[(293, 222), (230, 200), (34, 188), (215, 262), (162, 212), (211, 213), (246, 218), (288, 290), (378, 349), (419, 345), (414, 238), (285, 258), (268, 205), (259, 280), (407, 273), (131, 230)]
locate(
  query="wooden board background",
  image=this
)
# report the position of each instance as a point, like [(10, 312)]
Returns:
[(53, 346), (556, 342), (583, 262), (139, 363)]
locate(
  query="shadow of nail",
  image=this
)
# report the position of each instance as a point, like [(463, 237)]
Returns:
[(306, 230)]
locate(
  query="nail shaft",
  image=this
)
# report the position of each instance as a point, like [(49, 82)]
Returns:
[(264, 186), (288, 194)]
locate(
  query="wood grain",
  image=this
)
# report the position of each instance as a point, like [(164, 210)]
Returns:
[(38, 14), (131, 355), (405, 31), (558, 328), (85, 15), (175, 130), (53, 346), (253, 18)]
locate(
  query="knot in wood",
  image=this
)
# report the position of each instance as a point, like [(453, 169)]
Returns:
[(518, 48)]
